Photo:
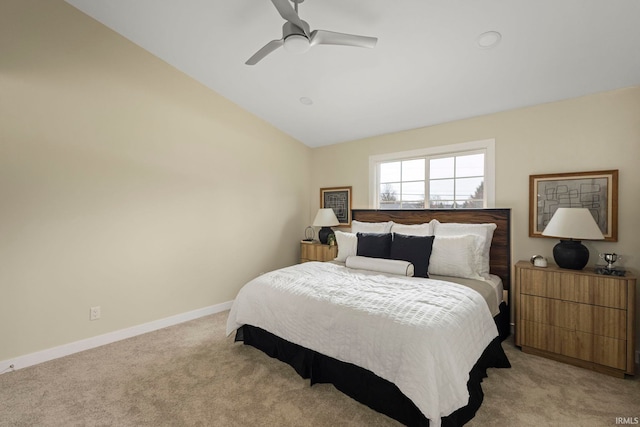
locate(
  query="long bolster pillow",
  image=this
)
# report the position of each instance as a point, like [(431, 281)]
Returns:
[(382, 265)]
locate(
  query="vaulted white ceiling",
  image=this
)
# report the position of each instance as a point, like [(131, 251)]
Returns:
[(427, 67)]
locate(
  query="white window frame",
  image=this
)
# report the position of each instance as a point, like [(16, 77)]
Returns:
[(488, 146)]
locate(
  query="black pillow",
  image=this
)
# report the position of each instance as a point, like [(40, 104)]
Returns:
[(415, 249), (374, 245)]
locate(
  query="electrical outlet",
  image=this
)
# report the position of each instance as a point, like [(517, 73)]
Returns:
[(94, 313)]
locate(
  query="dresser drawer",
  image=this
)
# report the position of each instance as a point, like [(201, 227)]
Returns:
[(588, 289), (606, 351), (592, 319), (553, 339)]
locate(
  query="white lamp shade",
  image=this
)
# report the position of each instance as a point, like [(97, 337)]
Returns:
[(326, 218), (573, 223)]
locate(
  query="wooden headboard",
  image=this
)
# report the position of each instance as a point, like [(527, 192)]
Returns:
[(500, 262)]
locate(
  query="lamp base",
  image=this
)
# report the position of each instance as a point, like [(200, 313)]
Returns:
[(323, 234), (571, 254)]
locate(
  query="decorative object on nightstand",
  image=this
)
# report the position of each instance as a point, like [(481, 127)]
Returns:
[(309, 234), (326, 219), (539, 261), (577, 317), (609, 269), (572, 225)]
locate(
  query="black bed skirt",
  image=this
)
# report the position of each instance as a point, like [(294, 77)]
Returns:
[(503, 321), (366, 387)]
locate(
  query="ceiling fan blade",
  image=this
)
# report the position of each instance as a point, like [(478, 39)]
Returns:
[(289, 14), (329, 37), (266, 50)]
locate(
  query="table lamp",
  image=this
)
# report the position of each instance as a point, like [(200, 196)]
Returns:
[(326, 219), (572, 225)]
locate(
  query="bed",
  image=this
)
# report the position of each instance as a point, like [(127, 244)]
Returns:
[(413, 348)]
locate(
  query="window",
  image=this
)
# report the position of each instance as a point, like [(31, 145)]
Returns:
[(456, 176), (402, 184), (456, 181)]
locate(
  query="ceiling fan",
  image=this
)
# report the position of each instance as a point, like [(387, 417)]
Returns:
[(298, 38)]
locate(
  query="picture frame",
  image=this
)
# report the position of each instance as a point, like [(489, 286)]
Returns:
[(339, 199), (597, 191)]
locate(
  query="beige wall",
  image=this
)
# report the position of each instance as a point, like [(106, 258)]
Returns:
[(126, 184), (596, 132)]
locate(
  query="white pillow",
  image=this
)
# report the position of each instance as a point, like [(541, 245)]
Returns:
[(371, 227), (391, 266), (457, 256), (425, 229), (484, 231), (347, 245)]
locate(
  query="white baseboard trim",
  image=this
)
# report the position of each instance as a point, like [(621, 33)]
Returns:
[(97, 341)]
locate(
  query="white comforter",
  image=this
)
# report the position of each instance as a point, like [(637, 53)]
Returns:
[(422, 335)]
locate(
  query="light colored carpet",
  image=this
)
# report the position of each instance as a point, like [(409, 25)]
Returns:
[(192, 375)]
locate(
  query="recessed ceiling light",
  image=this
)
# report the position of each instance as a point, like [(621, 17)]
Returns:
[(489, 39), (306, 101)]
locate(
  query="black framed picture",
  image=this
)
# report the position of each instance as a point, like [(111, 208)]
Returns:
[(338, 199)]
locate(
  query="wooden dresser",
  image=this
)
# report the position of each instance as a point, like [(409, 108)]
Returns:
[(576, 317), (315, 251)]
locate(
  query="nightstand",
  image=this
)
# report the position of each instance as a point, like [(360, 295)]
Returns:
[(315, 251), (576, 316)]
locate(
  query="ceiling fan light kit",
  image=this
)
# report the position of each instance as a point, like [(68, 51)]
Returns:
[(296, 43), (297, 36)]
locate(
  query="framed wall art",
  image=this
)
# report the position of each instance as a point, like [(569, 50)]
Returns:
[(339, 199), (596, 191)]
